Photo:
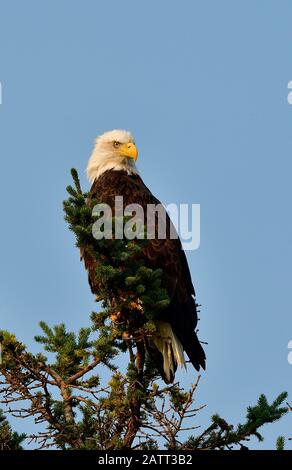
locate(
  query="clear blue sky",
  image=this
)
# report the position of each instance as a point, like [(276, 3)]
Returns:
[(203, 87)]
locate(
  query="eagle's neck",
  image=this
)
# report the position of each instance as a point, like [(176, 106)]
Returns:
[(96, 168)]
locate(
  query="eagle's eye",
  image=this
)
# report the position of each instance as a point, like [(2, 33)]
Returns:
[(116, 144)]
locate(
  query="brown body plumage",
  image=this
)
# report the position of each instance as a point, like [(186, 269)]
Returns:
[(166, 254)]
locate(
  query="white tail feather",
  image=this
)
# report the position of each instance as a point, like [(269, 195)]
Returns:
[(170, 347)]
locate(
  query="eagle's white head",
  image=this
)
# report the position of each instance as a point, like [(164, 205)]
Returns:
[(114, 150)]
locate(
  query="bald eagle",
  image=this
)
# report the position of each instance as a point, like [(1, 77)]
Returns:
[(112, 172)]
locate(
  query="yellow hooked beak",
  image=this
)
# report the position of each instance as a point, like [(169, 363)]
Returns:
[(128, 150)]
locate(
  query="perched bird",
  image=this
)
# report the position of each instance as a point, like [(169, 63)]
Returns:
[(112, 172)]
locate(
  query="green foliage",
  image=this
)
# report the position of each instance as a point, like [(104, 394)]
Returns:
[(178, 398), (280, 443), (221, 435), (9, 440), (67, 390), (263, 413), (121, 273), (71, 353)]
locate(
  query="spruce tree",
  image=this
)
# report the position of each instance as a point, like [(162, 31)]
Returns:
[(9, 440), (133, 409)]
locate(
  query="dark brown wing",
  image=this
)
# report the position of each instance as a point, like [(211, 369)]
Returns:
[(161, 253)]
